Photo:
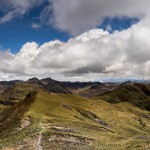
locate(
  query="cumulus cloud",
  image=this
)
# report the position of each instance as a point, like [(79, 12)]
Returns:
[(77, 16), (16, 8), (94, 54)]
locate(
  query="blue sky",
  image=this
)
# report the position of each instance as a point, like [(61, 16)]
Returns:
[(17, 32), (118, 23)]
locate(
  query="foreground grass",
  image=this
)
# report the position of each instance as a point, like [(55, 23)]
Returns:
[(71, 122)]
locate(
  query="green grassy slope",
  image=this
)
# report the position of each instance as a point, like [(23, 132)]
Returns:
[(13, 94), (136, 94), (59, 121)]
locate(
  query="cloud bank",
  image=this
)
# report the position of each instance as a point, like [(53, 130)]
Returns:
[(94, 54)]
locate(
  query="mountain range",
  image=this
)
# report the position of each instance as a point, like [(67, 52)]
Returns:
[(48, 114)]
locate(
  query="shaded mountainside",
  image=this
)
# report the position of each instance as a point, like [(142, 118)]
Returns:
[(77, 85), (55, 86), (89, 89), (134, 93), (50, 85), (19, 89), (85, 89), (9, 82)]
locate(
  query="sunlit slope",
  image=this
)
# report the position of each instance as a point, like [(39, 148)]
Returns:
[(59, 121)]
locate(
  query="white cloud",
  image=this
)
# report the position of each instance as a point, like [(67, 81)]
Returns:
[(77, 16), (92, 55), (16, 8), (36, 25)]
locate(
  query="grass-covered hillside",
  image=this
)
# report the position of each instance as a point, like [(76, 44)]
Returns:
[(52, 121), (133, 93)]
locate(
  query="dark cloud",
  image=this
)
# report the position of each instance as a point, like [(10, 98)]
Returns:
[(86, 70)]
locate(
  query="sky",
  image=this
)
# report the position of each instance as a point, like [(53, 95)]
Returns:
[(75, 40)]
